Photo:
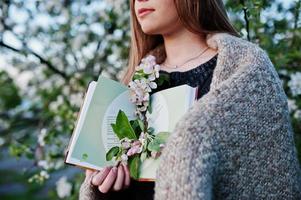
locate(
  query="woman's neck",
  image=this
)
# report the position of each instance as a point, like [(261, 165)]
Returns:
[(182, 45)]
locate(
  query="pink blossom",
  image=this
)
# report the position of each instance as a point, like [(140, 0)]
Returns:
[(155, 154), (136, 148), (136, 143)]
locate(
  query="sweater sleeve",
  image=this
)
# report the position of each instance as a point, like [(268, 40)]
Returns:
[(89, 192), (235, 142), (189, 159)]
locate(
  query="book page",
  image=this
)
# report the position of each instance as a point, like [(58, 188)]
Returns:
[(80, 120), (123, 103), (95, 136), (168, 106)]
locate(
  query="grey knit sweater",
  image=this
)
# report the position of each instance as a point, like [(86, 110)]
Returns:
[(236, 142)]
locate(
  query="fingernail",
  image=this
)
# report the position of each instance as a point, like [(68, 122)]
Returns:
[(114, 169)]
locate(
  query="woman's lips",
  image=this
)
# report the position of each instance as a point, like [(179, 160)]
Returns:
[(144, 11)]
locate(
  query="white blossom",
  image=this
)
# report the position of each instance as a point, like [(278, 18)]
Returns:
[(147, 71), (139, 91), (63, 187), (40, 177), (76, 99), (295, 83), (45, 164), (2, 141), (283, 72), (291, 105), (41, 137), (1, 27), (147, 64), (57, 119), (125, 143), (47, 85), (297, 114), (79, 40), (118, 5), (58, 82), (98, 29), (118, 34), (143, 138), (59, 164), (112, 58), (44, 174), (55, 104), (51, 4), (124, 157), (66, 90), (121, 73)]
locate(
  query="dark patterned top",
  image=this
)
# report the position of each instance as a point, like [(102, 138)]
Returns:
[(199, 76)]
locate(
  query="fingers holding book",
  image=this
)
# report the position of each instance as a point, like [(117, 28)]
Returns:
[(127, 178), (99, 176), (111, 178)]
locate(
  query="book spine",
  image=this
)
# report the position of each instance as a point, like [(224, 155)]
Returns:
[(196, 93)]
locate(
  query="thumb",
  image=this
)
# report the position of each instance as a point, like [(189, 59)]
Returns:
[(89, 173)]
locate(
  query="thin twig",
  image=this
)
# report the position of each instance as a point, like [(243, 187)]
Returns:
[(246, 17), (42, 60)]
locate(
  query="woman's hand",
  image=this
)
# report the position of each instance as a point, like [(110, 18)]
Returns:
[(110, 178)]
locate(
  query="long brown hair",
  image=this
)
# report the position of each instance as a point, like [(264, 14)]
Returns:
[(198, 16)]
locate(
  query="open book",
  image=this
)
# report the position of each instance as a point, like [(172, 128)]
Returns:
[(93, 135)]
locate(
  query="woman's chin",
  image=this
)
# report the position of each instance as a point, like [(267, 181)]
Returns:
[(150, 30)]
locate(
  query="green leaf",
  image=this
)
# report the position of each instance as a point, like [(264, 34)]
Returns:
[(134, 165), (136, 126), (139, 75), (154, 145), (136, 76), (116, 131), (141, 124), (122, 127), (150, 130), (160, 138), (84, 156), (119, 152), (162, 78), (143, 156), (111, 153), (18, 149), (149, 107), (9, 92)]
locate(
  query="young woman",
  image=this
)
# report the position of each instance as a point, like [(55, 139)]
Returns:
[(237, 141)]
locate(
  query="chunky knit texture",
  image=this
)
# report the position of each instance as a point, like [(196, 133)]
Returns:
[(236, 142), (89, 192)]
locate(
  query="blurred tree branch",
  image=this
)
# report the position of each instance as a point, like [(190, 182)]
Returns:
[(246, 18), (42, 60)]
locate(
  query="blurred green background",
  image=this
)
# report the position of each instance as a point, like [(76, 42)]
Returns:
[(51, 50)]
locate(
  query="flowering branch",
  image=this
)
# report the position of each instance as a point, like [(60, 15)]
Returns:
[(138, 141)]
